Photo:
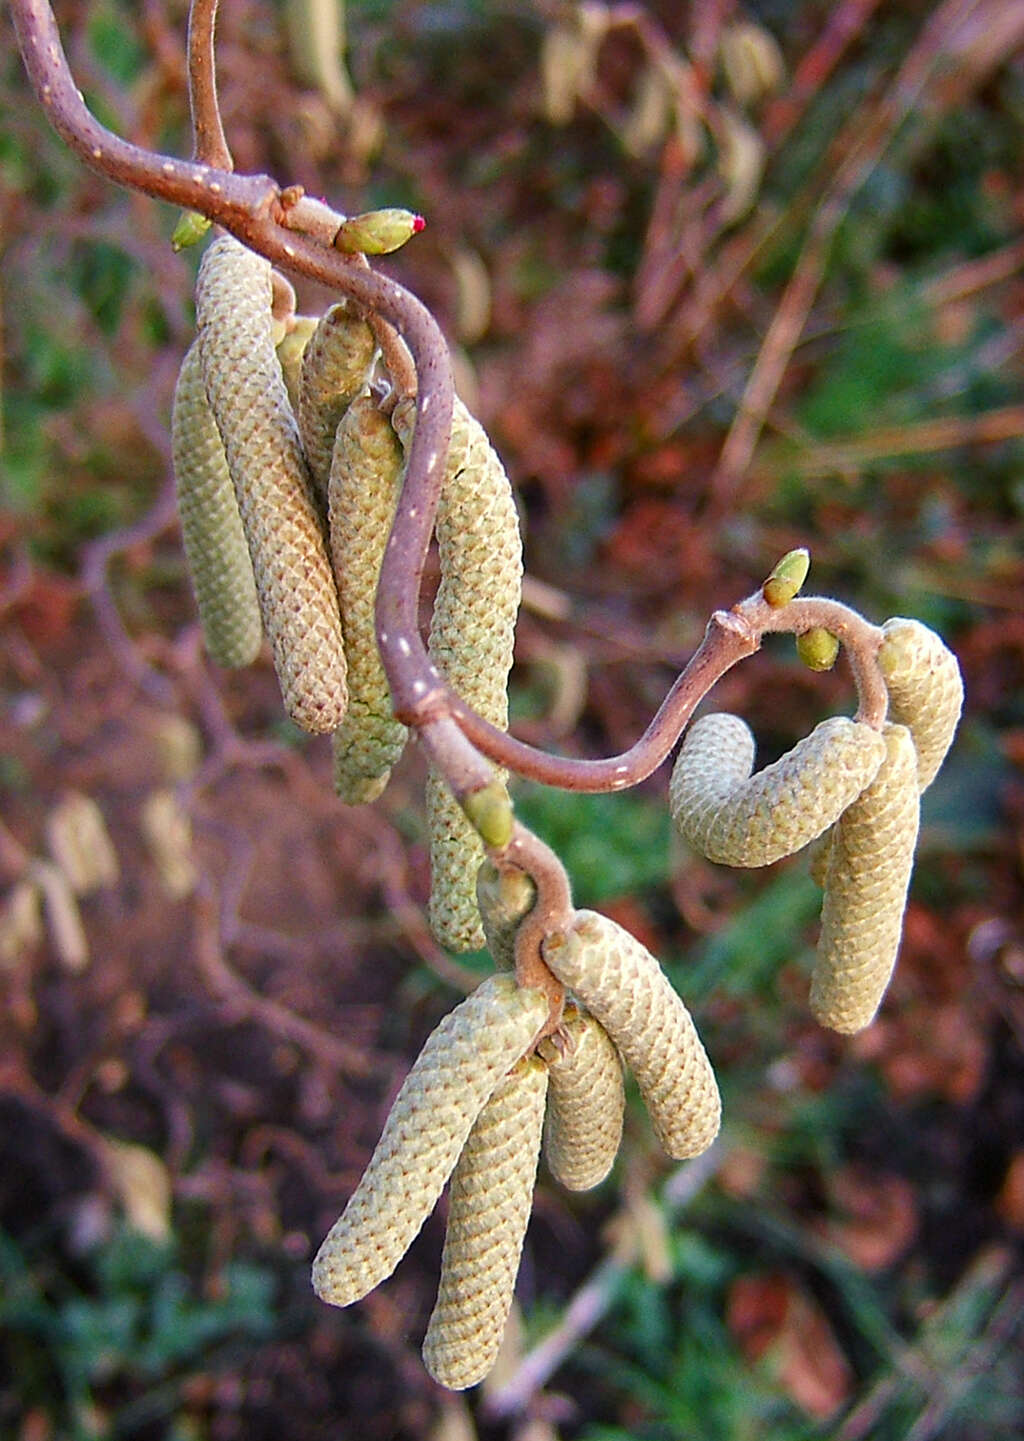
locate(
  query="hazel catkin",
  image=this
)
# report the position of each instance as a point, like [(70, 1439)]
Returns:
[(294, 582), (869, 865), (740, 819), (366, 479), (472, 633), (426, 1129), (586, 1101), (926, 690), (504, 898), (335, 363), (621, 984), (211, 527), (491, 1196)]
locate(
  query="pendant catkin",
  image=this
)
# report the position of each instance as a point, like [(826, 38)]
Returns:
[(211, 527), (504, 898), (335, 365), (290, 351), (622, 985), (448, 1086), (869, 867), (586, 1102), (490, 1200), (926, 690), (739, 819), (366, 478), (298, 599), (472, 634)]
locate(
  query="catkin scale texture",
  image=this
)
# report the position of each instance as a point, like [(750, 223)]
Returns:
[(211, 527), (870, 861), (740, 819), (472, 634), (621, 984), (926, 690), (298, 599), (504, 898), (366, 479), (490, 1199), (586, 1103), (426, 1129), (335, 365)]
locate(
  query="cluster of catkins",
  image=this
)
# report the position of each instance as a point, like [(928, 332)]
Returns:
[(288, 472)]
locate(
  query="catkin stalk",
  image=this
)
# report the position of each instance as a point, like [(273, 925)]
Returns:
[(428, 1125), (472, 634), (490, 1200), (366, 479), (586, 1101), (211, 527), (298, 599), (926, 690), (621, 984), (335, 365), (870, 861), (738, 819)]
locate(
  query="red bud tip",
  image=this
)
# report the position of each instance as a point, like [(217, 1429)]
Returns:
[(418, 224)]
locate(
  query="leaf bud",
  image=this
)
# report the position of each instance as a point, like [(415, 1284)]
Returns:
[(378, 232), (817, 648), (787, 578)]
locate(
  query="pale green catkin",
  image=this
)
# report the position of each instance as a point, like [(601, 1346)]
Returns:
[(926, 690), (290, 351), (586, 1102), (335, 366), (621, 984), (869, 866), (738, 819), (504, 898), (426, 1129), (211, 527), (366, 479), (472, 635), (490, 1200), (294, 582)]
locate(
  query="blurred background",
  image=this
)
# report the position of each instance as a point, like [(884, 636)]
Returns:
[(720, 279)]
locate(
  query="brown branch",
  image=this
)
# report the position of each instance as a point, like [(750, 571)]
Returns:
[(210, 145)]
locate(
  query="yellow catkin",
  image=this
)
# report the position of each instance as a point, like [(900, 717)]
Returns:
[(504, 898), (366, 478), (870, 861), (586, 1101), (451, 1081), (211, 527), (472, 634), (490, 1201), (298, 599), (621, 984), (290, 351), (335, 365), (738, 819), (926, 690)]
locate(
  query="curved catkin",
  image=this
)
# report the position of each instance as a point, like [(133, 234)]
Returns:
[(366, 479), (290, 351), (621, 984), (586, 1102), (472, 634), (869, 867), (490, 1200), (335, 364), (211, 527), (298, 599), (738, 819), (504, 898), (926, 690), (426, 1129)]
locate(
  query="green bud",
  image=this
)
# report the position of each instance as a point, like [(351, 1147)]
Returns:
[(788, 576), (490, 813), (378, 232), (190, 229), (817, 648)]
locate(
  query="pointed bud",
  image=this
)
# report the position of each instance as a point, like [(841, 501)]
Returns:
[(490, 813), (787, 577), (189, 230), (378, 232), (817, 648)]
